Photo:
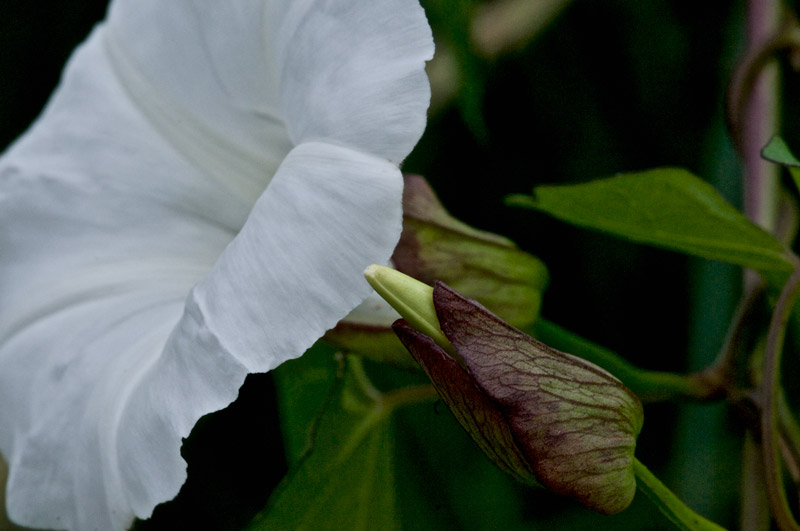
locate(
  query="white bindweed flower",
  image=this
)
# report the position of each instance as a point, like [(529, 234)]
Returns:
[(197, 202)]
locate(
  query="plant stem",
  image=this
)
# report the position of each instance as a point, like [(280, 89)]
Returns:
[(790, 436), (761, 118), (396, 398), (650, 386), (754, 118), (753, 106), (406, 396), (678, 512), (769, 391), (730, 368), (755, 505)]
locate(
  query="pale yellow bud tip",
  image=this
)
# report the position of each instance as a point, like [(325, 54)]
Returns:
[(411, 298)]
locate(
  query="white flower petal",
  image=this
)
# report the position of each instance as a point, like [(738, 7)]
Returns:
[(103, 229), (131, 189), (365, 56), (65, 470), (290, 275), (203, 73)]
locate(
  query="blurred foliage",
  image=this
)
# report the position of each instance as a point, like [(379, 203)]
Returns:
[(608, 86)]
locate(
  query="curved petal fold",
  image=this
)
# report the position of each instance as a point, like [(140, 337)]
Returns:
[(290, 275), (369, 58), (203, 73)]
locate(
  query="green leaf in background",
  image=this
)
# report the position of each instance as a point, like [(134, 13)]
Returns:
[(346, 480), (778, 152), (669, 208), (302, 386)]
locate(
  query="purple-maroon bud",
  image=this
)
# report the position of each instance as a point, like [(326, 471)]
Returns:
[(538, 413)]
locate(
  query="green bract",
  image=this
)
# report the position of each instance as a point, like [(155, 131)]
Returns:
[(484, 266)]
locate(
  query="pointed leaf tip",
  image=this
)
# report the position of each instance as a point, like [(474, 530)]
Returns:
[(778, 151)]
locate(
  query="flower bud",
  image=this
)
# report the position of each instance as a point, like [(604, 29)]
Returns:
[(435, 245), (539, 414), (484, 266)]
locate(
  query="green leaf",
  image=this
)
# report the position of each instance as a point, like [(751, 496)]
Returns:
[(669, 208), (778, 152), (346, 480), (302, 387)]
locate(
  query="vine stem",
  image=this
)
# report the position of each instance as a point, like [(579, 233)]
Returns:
[(753, 114), (670, 505), (396, 398), (768, 393), (406, 396), (649, 386), (756, 118), (790, 436)]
